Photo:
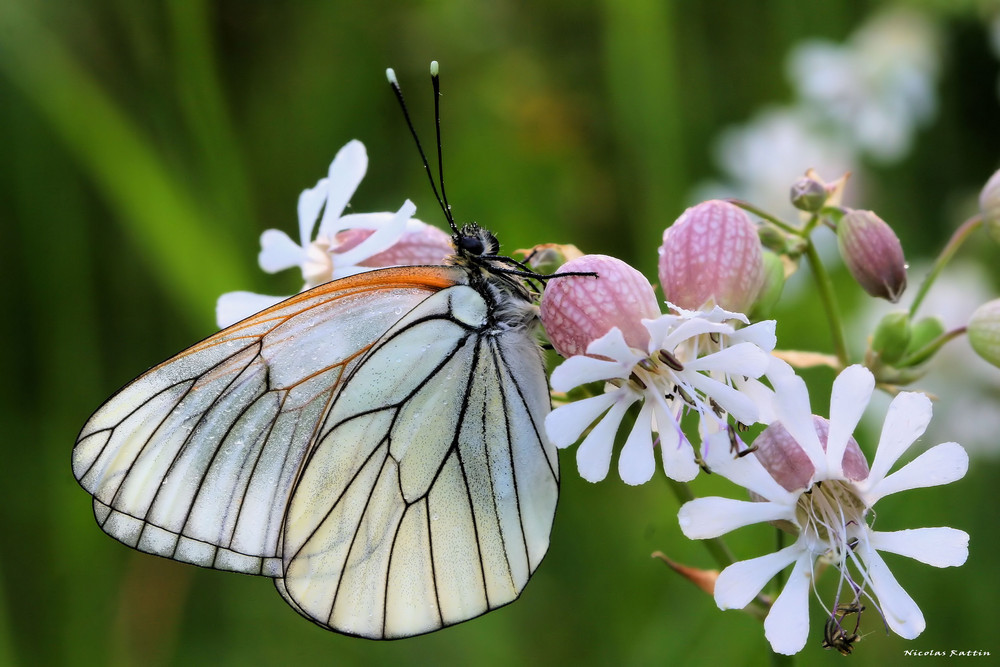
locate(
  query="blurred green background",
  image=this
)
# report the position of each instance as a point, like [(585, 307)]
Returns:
[(145, 146)]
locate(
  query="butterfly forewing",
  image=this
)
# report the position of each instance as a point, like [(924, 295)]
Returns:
[(195, 460)]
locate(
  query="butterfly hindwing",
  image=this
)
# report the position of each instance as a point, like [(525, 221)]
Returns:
[(430, 497)]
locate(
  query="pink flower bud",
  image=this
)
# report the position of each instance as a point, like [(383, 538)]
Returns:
[(873, 254), (789, 465), (712, 254), (420, 244), (577, 310)]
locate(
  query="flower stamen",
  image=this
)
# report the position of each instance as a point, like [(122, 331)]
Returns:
[(670, 360)]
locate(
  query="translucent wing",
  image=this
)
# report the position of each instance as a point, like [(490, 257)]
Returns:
[(195, 460), (430, 496)]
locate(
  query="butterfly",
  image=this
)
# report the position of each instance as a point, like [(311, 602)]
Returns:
[(375, 445)]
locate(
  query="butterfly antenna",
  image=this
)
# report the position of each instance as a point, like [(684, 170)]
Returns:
[(394, 83), (436, 82)]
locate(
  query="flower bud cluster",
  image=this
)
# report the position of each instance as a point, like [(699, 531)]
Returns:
[(711, 256)]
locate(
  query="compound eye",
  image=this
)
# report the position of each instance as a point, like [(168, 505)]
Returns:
[(472, 245)]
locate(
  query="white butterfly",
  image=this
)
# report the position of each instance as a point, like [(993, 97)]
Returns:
[(375, 445)]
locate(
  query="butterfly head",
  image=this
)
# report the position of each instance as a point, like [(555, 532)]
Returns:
[(474, 241)]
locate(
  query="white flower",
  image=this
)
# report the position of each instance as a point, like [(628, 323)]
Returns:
[(677, 373), (825, 491), (343, 244), (864, 98), (876, 89)]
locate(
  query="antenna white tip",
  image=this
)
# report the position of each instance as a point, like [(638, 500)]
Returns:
[(434, 68), (390, 74)]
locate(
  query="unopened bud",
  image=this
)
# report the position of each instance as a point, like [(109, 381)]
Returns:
[(873, 254), (923, 335), (789, 465), (577, 310), (548, 257), (892, 336), (712, 255), (808, 194), (772, 238), (989, 205), (774, 284), (984, 331)]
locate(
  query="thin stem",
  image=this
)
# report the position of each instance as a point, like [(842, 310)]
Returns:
[(716, 547), (829, 299), (923, 354), (780, 224), (954, 243), (779, 544)]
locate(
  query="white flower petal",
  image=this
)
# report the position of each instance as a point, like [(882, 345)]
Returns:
[(793, 411), (745, 471), (613, 346), (687, 329), (778, 370), (676, 451), (941, 464), (232, 307), (717, 314), (787, 624), (852, 390), (636, 463), (761, 334), (346, 171), (740, 406), (278, 251), (907, 419), (366, 220), (762, 396), (579, 369), (310, 204), (940, 547), (384, 238), (593, 457), (565, 424), (658, 329), (704, 518), (740, 359), (740, 583), (901, 613)]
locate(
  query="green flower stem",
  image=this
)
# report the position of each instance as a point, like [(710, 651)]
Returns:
[(954, 243), (780, 224), (716, 547), (929, 350), (779, 544), (829, 299)]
